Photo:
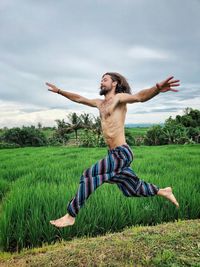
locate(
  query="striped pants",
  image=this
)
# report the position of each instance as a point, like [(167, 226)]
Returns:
[(114, 168)]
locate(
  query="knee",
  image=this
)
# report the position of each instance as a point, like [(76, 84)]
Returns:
[(86, 172)]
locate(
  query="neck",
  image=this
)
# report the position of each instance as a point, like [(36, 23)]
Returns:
[(110, 94)]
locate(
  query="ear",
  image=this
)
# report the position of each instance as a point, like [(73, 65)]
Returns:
[(115, 83)]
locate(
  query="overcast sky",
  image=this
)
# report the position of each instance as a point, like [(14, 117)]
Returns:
[(72, 43)]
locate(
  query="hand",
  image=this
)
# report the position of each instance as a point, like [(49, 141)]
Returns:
[(166, 85), (52, 88)]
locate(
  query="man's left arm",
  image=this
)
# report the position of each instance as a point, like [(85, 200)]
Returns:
[(146, 94)]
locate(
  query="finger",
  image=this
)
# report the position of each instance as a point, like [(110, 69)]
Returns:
[(174, 90), (176, 84), (175, 81), (49, 84), (169, 78)]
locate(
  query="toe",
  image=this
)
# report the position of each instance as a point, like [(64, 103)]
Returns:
[(59, 225)]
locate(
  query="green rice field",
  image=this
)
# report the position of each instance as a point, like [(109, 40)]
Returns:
[(138, 131), (37, 183)]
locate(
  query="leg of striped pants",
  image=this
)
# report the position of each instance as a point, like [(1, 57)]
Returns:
[(132, 186), (94, 177)]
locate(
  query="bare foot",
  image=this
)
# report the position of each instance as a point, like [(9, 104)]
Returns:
[(64, 221), (167, 193)]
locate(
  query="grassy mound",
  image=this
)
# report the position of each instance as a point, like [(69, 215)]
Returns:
[(168, 244)]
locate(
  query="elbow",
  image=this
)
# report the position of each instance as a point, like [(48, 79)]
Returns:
[(140, 99), (78, 99), (137, 98)]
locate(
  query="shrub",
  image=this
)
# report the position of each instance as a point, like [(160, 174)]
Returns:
[(27, 136)]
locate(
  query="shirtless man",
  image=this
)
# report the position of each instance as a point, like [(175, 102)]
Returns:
[(115, 167)]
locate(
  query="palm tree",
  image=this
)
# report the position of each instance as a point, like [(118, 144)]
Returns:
[(86, 121), (96, 127), (74, 123), (39, 125), (62, 130)]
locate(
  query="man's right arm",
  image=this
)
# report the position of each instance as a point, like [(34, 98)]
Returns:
[(74, 97)]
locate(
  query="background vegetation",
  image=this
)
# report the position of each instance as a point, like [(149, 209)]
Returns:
[(85, 130)]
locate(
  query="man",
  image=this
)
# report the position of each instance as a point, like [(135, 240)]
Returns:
[(115, 167)]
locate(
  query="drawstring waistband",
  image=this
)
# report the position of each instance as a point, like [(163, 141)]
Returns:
[(118, 148)]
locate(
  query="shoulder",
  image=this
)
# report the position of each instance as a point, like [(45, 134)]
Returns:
[(98, 101), (117, 101), (90, 102)]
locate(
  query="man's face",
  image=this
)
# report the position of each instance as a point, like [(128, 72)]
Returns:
[(106, 84)]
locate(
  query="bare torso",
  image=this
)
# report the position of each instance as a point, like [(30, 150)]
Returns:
[(112, 114)]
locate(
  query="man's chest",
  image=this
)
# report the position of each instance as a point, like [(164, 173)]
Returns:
[(106, 109), (110, 108)]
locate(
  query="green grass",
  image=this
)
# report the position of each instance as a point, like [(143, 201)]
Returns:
[(138, 131), (170, 244), (37, 184)]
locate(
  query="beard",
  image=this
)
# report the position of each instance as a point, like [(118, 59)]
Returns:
[(103, 91)]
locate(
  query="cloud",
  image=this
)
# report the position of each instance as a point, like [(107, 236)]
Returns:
[(139, 52), (158, 110), (16, 115), (73, 43)]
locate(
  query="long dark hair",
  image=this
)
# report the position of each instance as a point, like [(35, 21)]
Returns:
[(122, 84)]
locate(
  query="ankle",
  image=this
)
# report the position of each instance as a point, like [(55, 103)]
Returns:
[(70, 217)]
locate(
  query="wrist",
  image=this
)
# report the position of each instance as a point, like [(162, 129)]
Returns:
[(59, 91), (158, 87)]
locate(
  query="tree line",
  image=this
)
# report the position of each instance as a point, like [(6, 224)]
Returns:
[(181, 130), (85, 130), (88, 125)]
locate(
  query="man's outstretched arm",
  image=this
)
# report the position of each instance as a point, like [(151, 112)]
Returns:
[(146, 94), (73, 97)]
